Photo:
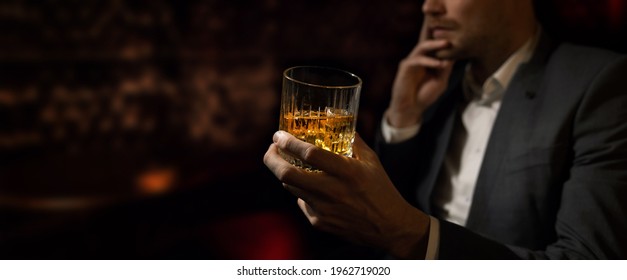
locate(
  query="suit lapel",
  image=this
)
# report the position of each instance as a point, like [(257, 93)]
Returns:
[(512, 119)]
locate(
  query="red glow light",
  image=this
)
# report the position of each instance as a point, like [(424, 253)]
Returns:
[(615, 9)]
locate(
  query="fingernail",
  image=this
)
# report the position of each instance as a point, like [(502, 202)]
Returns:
[(275, 137)]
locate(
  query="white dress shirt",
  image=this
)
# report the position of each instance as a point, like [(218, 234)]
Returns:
[(453, 195)]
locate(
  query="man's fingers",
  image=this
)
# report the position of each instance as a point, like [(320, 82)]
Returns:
[(283, 170), (428, 46), (424, 31), (432, 45), (424, 61), (317, 157), (311, 215), (423, 37), (299, 182)]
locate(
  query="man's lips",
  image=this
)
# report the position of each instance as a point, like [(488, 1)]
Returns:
[(437, 28), (438, 32)]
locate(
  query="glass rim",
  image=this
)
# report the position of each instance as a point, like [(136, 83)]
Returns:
[(358, 84)]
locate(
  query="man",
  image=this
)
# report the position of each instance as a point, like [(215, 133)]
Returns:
[(499, 144)]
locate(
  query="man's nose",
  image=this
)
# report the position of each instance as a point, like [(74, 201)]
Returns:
[(433, 7)]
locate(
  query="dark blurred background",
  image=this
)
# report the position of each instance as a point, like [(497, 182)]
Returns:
[(136, 129)]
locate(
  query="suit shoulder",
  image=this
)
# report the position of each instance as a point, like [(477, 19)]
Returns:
[(585, 56), (574, 62)]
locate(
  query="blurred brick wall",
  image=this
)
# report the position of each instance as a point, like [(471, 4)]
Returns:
[(137, 128), (174, 84)]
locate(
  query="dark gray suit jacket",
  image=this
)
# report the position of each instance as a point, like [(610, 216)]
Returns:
[(553, 183)]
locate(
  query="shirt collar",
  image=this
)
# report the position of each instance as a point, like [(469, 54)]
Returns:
[(496, 84)]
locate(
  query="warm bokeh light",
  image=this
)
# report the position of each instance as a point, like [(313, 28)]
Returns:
[(157, 180)]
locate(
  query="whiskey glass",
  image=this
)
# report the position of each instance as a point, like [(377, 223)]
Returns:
[(319, 105)]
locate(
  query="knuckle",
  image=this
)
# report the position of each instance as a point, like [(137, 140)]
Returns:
[(282, 142), (406, 62), (310, 153), (284, 172)]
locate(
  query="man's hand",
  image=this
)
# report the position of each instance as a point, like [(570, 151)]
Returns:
[(421, 78), (350, 197)]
